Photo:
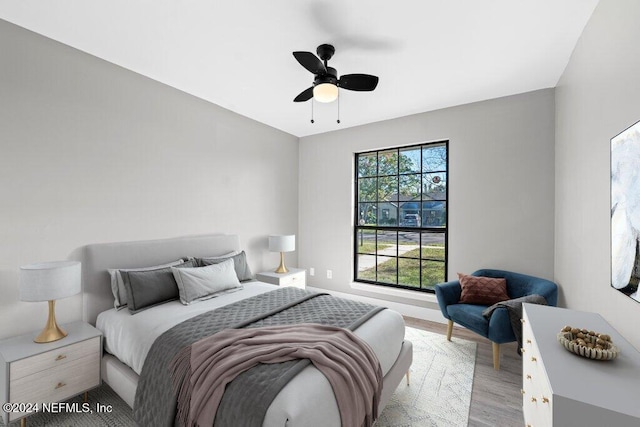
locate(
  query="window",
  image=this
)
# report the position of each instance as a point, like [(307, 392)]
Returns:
[(401, 216)]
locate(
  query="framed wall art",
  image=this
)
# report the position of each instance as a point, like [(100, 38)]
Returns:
[(625, 211)]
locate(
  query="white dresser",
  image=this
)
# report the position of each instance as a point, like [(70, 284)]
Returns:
[(563, 389)]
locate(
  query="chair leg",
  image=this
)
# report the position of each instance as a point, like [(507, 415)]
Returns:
[(496, 356), (449, 330), (408, 377)]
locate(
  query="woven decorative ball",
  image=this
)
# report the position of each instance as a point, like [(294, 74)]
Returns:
[(589, 344)]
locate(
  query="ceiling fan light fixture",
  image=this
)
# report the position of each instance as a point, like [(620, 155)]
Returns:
[(325, 92)]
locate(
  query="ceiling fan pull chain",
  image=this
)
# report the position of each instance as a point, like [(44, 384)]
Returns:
[(338, 110), (312, 111)]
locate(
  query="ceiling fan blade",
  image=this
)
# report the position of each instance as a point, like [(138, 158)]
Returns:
[(311, 62), (359, 82), (305, 95)]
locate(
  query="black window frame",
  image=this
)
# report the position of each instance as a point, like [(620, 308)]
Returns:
[(398, 228)]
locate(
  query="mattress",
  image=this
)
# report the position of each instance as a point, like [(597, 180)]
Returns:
[(130, 337)]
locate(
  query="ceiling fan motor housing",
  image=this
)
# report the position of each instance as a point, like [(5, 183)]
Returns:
[(330, 77)]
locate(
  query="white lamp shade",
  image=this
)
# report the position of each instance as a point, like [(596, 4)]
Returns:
[(282, 243), (49, 281)]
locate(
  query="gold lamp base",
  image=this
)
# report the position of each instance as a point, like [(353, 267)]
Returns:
[(51, 332), (281, 268)]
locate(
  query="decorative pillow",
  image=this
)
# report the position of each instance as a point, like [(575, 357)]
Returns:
[(482, 290), (117, 285), (152, 287), (197, 284), (239, 261)]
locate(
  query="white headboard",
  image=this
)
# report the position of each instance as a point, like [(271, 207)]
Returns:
[(96, 259)]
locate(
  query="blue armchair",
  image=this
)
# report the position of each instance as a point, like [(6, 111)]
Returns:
[(498, 327)]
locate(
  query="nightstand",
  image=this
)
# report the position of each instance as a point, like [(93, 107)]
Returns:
[(45, 373), (296, 277)]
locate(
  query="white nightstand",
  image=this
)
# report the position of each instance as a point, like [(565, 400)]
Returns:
[(44, 373), (296, 277)]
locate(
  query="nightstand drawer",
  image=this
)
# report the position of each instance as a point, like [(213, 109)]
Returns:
[(52, 359), (295, 280), (57, 383)]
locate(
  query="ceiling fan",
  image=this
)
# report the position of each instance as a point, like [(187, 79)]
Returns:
[(326, 81)]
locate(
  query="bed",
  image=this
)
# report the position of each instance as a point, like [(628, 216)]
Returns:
[(306, 400)]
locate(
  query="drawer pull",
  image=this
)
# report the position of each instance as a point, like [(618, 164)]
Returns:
[(522, 321), (60, 385), (533, 359), (533, 399), (522, 350), (522, 391), (545, 399), (528, 341), (61, 356), (528, 377)]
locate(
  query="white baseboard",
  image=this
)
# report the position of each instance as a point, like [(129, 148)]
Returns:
[(404, 309)]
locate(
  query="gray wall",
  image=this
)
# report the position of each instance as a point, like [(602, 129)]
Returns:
[(597, 97), (91, 152), (501, 178)]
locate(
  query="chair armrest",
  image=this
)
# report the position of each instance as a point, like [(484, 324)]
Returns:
[(448, 293), (547, 289)]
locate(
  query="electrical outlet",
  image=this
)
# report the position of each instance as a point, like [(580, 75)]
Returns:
[(312, 271), (329, 274)]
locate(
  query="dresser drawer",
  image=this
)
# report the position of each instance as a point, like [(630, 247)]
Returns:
[(57, 383), (53, 358)]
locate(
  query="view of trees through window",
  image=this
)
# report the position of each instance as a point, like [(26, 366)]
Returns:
[(401, 216)]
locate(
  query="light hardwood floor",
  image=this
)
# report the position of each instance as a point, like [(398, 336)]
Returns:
[(495, 400)]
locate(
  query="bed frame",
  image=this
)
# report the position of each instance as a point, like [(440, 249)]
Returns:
[(97, 296)]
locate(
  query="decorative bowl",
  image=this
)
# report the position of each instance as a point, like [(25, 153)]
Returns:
[(589, 344)]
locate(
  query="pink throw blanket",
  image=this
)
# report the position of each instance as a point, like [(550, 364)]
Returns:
[(203, 370)]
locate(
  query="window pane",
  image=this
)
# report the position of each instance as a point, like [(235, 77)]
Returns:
[(366, 243), (410, 187), (387, 269), (387, 214), (367, 164), (410, 160), (434, 186), (387, 243), (366, 267), (409, 272), (434, 214), (409, 244), (388, 162), (433, 246), (367, 189), (388, 188), (434, 158), (432, 274), (367, 214)]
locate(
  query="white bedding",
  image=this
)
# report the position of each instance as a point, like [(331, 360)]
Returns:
[(130, 337)]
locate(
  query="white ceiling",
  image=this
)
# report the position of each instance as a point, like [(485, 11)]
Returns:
[(429, 54)]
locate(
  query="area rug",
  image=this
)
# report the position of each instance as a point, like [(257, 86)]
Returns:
[(439, 393)]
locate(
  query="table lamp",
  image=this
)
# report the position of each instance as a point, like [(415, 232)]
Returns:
[(49, 281), (282, 244)]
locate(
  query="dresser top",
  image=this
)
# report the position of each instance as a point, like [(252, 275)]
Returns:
[(612, 384), (21, 346)]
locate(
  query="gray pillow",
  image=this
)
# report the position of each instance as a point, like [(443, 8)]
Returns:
[(239, 262), (117, 284), (197, 284), (146, 289)]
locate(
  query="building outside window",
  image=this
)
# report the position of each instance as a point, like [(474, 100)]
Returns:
[(401, 216)]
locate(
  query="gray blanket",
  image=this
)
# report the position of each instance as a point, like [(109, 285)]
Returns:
[(514, 308), (155, 401)]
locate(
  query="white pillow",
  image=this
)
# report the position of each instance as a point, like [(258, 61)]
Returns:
[(117, 284), (200, 283)]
